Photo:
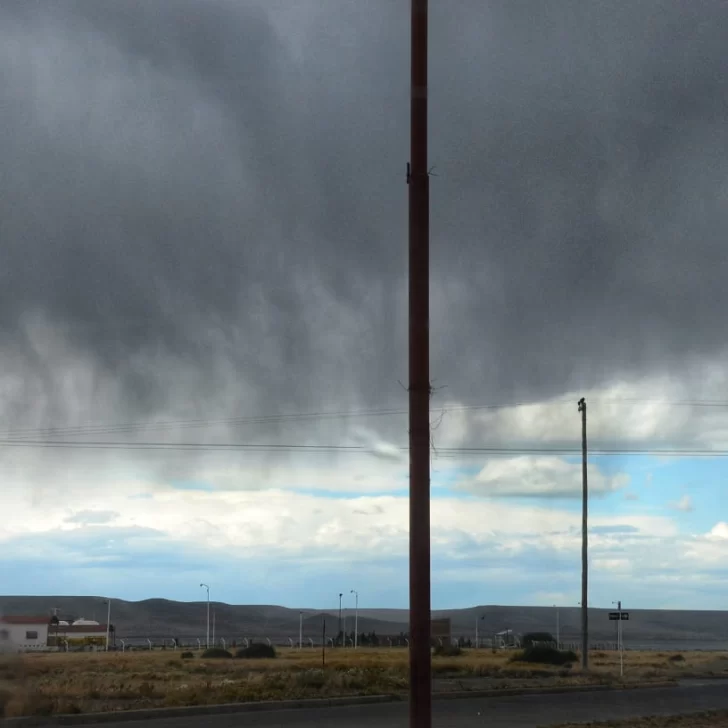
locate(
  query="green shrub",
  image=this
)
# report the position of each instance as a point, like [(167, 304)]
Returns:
[(187, 655), (215, 653), (529, 639), (258, 650), (676, 658), (448, 651), (545, 656)]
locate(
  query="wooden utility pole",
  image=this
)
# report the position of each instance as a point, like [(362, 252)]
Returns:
[(584, 544), (419, 377)]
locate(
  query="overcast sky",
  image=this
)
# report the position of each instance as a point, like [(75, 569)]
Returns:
[(203, 223)]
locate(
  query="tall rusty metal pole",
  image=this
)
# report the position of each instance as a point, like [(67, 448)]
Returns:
[(419, 377)]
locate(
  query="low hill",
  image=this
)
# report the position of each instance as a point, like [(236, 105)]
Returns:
[(162, 618)]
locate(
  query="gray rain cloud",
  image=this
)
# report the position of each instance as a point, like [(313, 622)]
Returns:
[(203, 203)]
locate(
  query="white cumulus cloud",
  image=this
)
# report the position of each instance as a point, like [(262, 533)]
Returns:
[(540, 476), (685, 504)]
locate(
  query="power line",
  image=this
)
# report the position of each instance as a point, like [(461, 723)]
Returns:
[(575, 450), (448, 452), (192, 423), (667, 402), (121, 428), (201, 446), (131, 427)]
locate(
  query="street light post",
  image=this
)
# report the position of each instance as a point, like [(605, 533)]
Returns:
[(477, 635), (108, 622), (558, 626), (207, 633), (300, 630), (356, 617), (340, 635), (619, 637)]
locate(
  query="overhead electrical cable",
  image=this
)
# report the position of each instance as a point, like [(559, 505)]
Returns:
[(182, 424)]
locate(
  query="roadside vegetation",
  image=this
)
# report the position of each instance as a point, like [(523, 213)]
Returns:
[(215, 653), (545, 655), (45, 684)]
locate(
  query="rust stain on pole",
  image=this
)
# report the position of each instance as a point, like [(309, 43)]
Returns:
[(419, 378)]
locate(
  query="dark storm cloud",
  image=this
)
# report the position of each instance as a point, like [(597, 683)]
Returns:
[(206, 201), (589, 178), (174, 188)]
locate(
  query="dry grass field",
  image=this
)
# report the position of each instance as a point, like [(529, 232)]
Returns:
[(45, 684)]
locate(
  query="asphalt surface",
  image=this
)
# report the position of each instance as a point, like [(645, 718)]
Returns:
[(516, 712)]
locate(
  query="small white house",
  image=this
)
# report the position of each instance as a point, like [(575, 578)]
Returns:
[(23, 634)]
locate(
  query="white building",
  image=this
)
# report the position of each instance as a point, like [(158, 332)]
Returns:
[(27, 634), (23, 634)]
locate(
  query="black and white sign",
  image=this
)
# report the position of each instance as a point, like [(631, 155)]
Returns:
[(617, 616)]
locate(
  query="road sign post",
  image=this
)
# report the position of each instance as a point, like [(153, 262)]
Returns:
[(619, 617)]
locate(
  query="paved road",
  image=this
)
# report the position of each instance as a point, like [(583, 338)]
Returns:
[(515, 712)]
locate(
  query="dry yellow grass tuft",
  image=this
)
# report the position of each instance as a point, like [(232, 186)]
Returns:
[(44, 684)]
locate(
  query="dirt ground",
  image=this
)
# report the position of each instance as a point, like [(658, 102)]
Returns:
[(46, 684)]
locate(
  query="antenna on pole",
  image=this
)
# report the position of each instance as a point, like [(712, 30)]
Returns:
[(419, 377)]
